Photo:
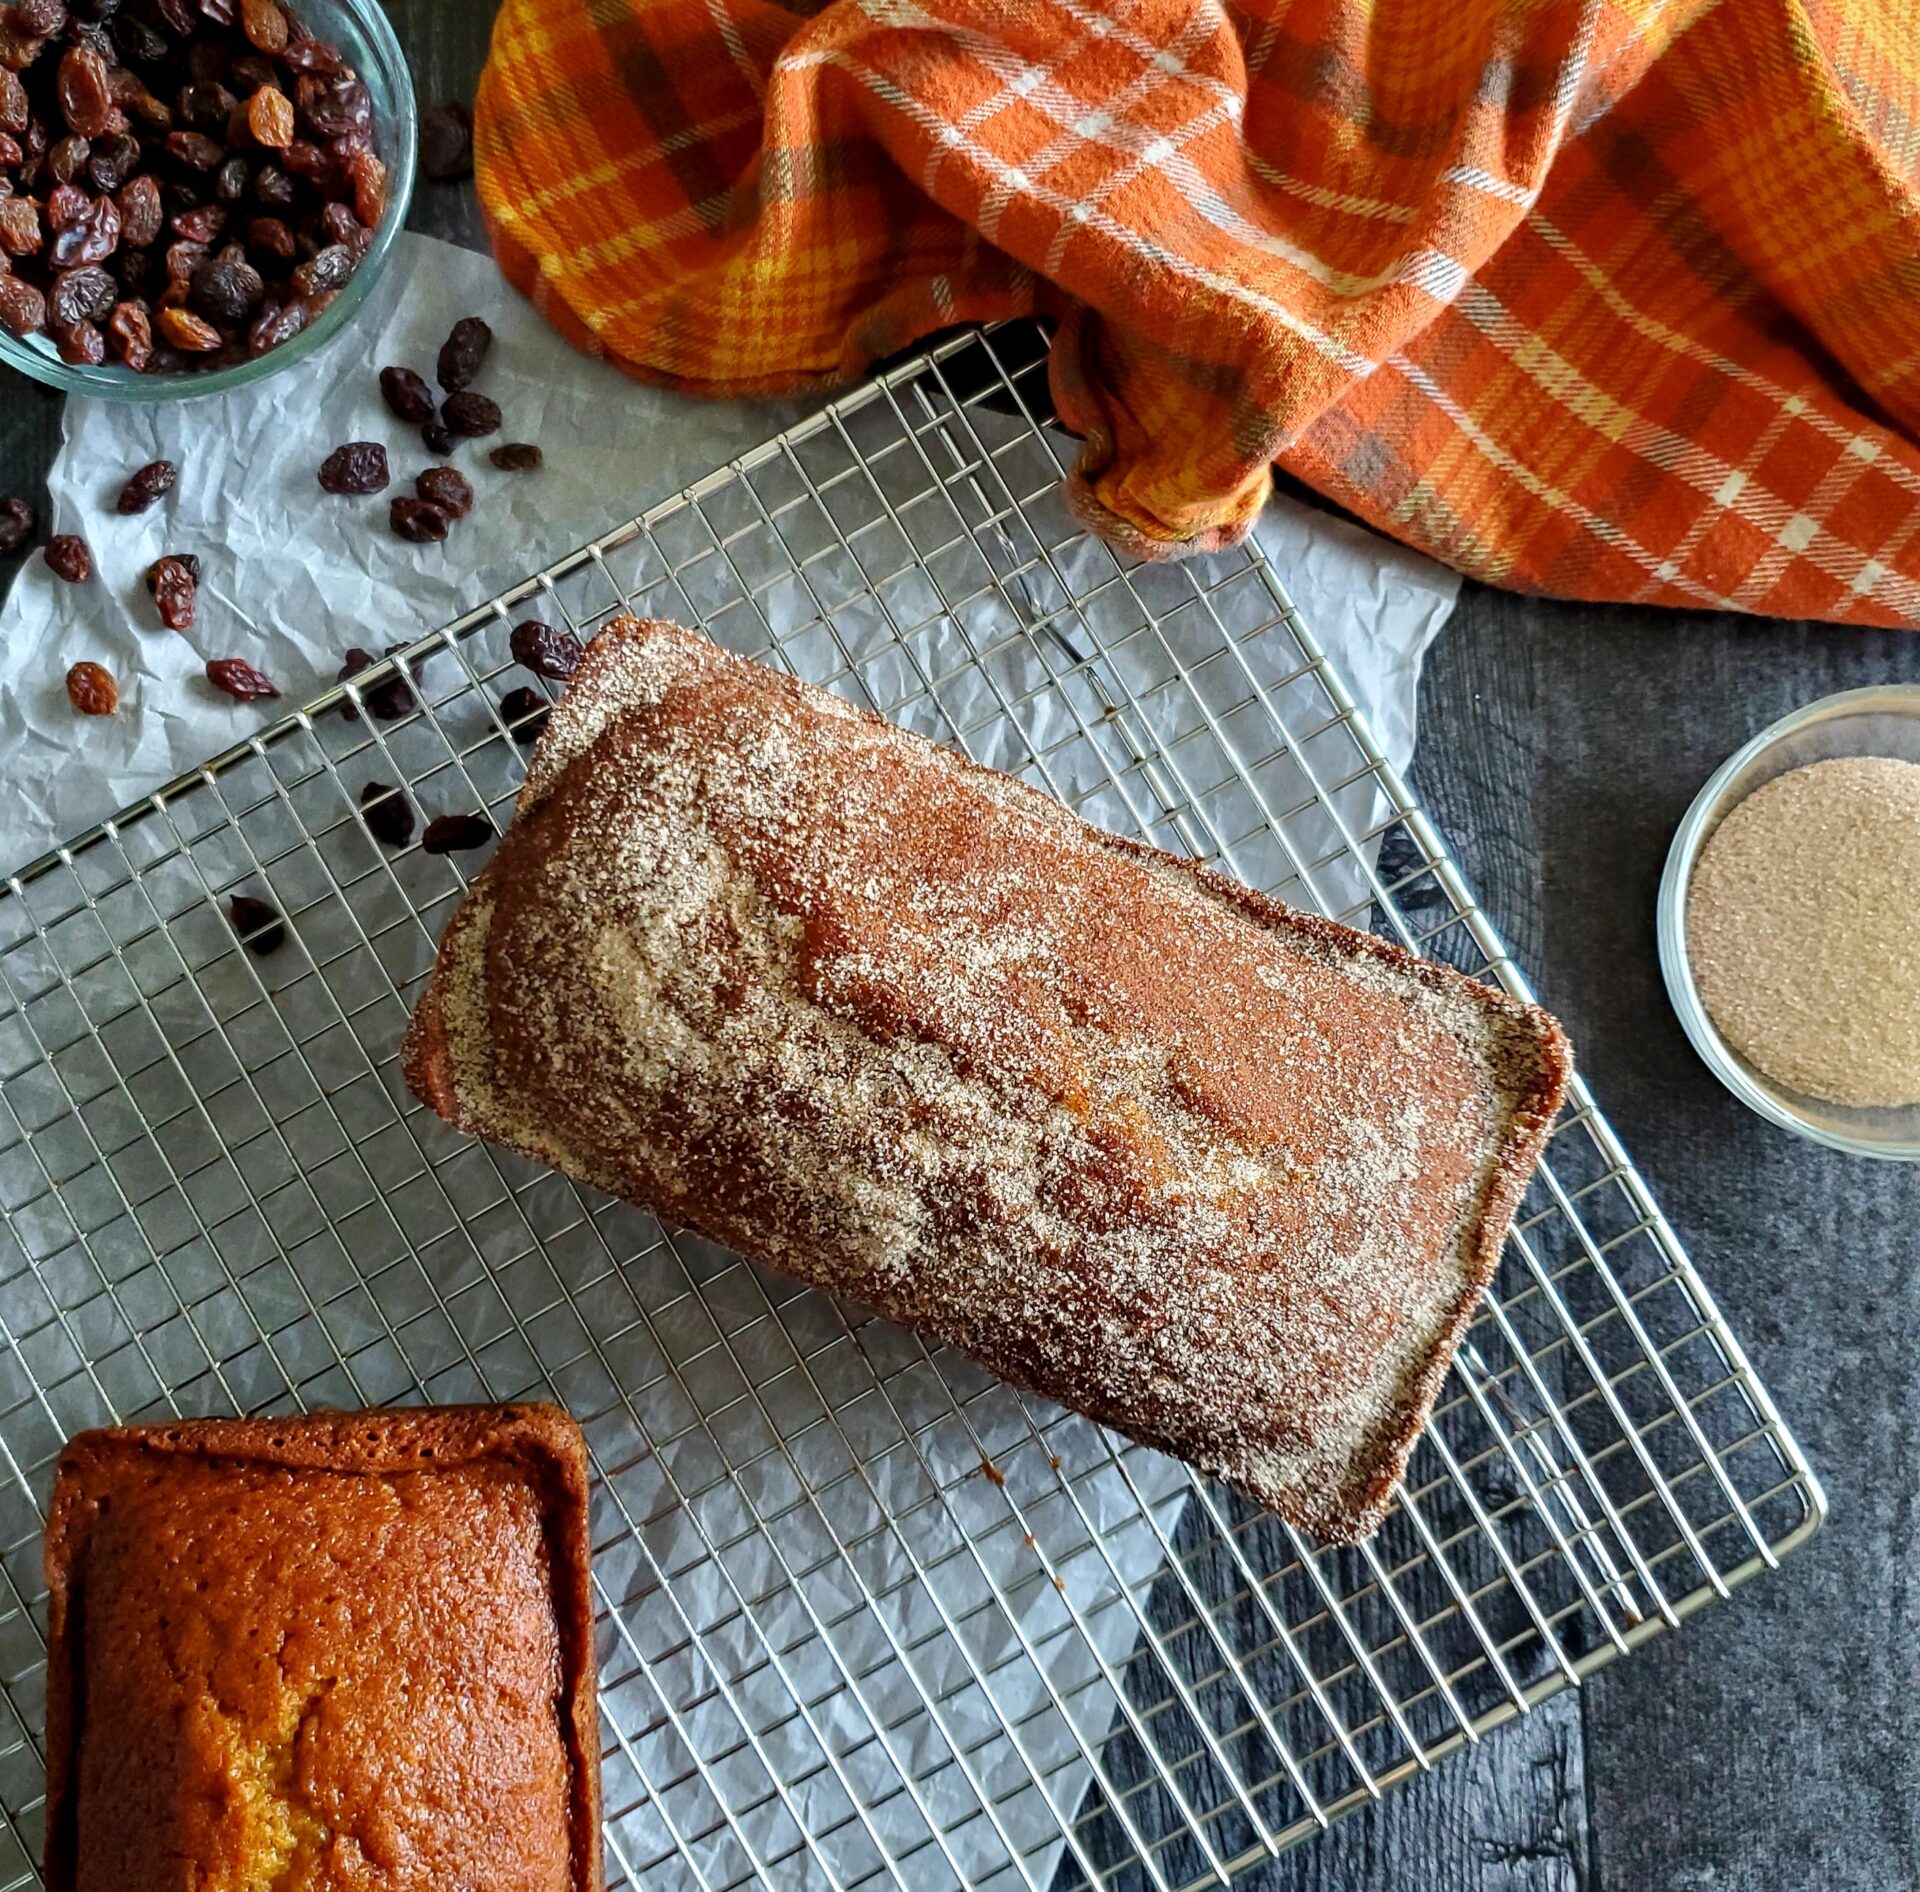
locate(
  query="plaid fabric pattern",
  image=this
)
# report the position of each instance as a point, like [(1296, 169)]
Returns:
[(1603, 298)]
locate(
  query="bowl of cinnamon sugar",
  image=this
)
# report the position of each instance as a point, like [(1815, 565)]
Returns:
[(1789, 922)]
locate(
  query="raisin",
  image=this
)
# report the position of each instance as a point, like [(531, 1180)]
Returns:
[(304, 53), (387, 813), (80, 344), (220, 12), (454, 834), (19, 226), (17, 521), (68, 556), (148, 487), (270, 118), (463, 353), (195, 150), (11, 154), (329, 270), (368, 176), (176, 16), (65, 202), (409, 397), (239, 679), (525, 713), (277, 322), (188, 331), (130, 334), (260, 928), (14, 109), (418, 521), (227, 288), (23, 309), (80, 295), (205, 106), (442, 486), (81, 90), (446, 141), (112, 161), (358, 467), (67, 158), (545, 651), (172, 583), (230, 182), (274, 188), (18, 49), (264, 24), (338, 224), (336, 106), (136, 40), (91, 237), (40, 17), (307, 160), (91, 690), (248, 72), (437, 440), (389, 700), (183, 260), (141, 213), (268, 237), (202, 224), (518, 456), (470, 415)]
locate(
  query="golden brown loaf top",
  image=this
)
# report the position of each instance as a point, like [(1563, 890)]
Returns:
[(308, 1655), (1224, 1176)]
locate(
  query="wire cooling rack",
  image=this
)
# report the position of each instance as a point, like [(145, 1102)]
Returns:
[(867, 1617)]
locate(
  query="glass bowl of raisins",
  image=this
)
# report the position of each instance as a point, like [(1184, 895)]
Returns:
[(193, 193)]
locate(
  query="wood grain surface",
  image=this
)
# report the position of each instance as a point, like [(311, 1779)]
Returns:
[(1770, 1743)]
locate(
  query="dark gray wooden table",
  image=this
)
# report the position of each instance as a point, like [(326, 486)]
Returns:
[(1772, 1742)]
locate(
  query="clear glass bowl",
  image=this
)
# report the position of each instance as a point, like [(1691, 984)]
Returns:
[(359, 28), (1881, 721)]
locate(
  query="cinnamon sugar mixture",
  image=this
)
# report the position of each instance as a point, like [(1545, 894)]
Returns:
[(1224, 1177)]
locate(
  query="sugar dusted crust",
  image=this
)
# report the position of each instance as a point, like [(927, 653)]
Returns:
[(1226, 1177), (353, 1649)]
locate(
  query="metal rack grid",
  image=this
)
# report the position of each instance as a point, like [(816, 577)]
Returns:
[(866, 1616)]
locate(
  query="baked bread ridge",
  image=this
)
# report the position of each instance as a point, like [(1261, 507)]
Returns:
[(1257, 1349), (517, 1459)]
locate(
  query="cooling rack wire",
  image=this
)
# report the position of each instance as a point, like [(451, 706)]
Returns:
[(866, 1616)]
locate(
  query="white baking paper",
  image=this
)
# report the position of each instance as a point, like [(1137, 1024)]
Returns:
[(291, 577)]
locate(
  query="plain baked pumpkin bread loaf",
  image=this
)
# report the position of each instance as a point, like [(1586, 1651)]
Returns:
[(347, 1653), (1224, 1176)]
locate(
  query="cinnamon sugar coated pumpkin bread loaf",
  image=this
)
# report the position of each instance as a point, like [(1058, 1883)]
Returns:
[(308, 1655), (1223, 1176)]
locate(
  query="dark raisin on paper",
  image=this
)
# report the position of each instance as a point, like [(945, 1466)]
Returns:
[(91, 689), (359, 467), (389, 700), (525, 713), (518, 456), (418, 521), (406, 395), (446, 141), (447, 488), (259, 926), (148, 487), (437, 440), (545, 651), (237, 678), (454, 834), (387, 813), (172, 583), (68, 556), (462, 353), (470, 415)]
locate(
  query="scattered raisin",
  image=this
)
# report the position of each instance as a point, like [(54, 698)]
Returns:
[(387, 813), (259, 926), (437, 440), (389, 700), (358, 467), (148, 487), (406, 394), (446, 488), (454, 834), (545, 651), (186, 330), (446, 141), (172, 582), (462, 354), (418, 521), (525, 713), (91, 690), (470, 415), (68, 556), (518, 456), (17, 521), (239, 679)]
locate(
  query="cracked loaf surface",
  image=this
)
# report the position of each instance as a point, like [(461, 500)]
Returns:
[(1224, 1176), (306, 1655)]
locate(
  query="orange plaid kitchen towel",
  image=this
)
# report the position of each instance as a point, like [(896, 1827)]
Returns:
[(1604, 298)]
